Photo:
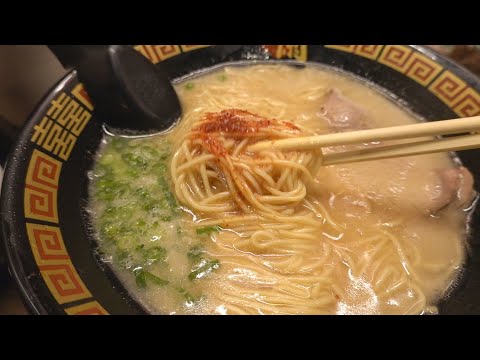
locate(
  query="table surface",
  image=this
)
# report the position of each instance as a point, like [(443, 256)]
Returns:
[(10, 300)]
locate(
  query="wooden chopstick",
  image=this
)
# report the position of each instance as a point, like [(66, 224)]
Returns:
[(454, 143), (454, 126)]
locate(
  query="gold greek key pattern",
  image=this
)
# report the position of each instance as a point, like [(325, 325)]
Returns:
[(449, 88), (90, 308), (468, 103), (56, 133), (422, 69), (157, 53), (47, 244), (187, 48), (41, 186), (44, 170), (54, 263), (46, 241), (164, 52), (368, 51), (396, 57), (411, 63), (40, 204), (64, 282), (345, 48)]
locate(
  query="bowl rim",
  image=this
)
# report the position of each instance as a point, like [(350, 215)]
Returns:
[(470, 77), (28, 295)]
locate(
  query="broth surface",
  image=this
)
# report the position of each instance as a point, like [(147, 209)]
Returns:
[(390, 234)]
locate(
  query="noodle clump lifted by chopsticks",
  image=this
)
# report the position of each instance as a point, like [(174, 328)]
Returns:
[(214, 173)]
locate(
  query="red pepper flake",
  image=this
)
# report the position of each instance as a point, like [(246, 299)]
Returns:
[(213, 145), (233, 122), (291, 126)]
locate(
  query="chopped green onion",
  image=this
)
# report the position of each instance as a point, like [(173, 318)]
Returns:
[(155, 279), (134, 160), (103, 170), (118, 143), (166, 218), (140, 278), (154, 254), (207, 230), (172, 203), (130, 206), (132, 173), (161, 168), (186, 295), (205, 268), (195, 253)]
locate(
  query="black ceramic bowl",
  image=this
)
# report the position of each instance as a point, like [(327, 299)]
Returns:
[(48, 245)]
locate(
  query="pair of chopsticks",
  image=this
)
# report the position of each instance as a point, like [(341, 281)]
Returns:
[(455, 126)]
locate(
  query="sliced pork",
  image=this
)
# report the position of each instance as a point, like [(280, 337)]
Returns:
[(341, 113), (457, 187), (400, 184)]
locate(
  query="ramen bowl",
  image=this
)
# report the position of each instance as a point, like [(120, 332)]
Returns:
[(50, 246)]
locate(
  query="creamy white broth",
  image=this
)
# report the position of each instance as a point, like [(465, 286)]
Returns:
[(386, 243)]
